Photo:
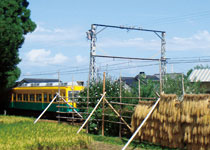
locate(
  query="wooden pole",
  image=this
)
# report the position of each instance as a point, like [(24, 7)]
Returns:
[(102, 133), (139, 89), (183, 84), (120, 125), (73, 99), (92, 112), (137, 130), (88, 96), (160, 78), (117, 113), (59, 93)]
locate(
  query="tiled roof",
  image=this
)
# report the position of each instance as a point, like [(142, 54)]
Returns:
[(129, 80)]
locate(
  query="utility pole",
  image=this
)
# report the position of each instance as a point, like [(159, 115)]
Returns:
[(163, 58), (91, 35), (59, 96)]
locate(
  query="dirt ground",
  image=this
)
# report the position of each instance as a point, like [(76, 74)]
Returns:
[(104, 146)]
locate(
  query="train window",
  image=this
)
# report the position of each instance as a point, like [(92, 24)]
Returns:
[(32, 98), (39, 97), (54, 95), (14, 96), (73, 94), (45, 97), (19, 97), (50, 97), (63, 95), (25, 97)]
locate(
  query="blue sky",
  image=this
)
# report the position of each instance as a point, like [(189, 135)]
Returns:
[(59, 42)]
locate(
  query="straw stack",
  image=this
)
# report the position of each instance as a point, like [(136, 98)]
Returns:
[(174, 123), (162, 127), (195, 120)]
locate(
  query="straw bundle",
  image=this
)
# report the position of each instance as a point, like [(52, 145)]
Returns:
[(195, 120), (174, 124), (161, 127)]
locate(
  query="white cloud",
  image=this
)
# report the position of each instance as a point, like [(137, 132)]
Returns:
[(198, 41), (55, 36), (42, 57), (80, 59), (135, 42)]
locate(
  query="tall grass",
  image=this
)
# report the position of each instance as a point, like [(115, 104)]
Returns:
[(21, 133)]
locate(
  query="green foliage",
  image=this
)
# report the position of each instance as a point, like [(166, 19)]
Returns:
[(112, 90), (135, 144), (202, 67), (147, 88), (15, 22), (21, 133), (175, 85)]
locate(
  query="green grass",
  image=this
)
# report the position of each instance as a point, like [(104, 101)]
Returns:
[(123, 141), (21, 133)]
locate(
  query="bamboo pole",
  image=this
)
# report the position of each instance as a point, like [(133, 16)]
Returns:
[(120, 126), (88, 96), (161, 86), (72, 98), (102, 133), (45, 109), (59, 92), (139, 89), (92, 112), (183, 91), (110, 105), (137, 130)]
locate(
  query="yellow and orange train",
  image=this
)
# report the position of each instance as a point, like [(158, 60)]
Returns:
[(38, 97)]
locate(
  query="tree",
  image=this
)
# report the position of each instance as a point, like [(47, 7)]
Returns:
[(172, 85), (15, 22), (112, 90), (148, 87), (175, 85)]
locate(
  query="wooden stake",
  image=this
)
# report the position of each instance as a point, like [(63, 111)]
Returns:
[(73, 99), (88, 95), (161, 86), (120, 125), (92, 112), (117, 113), (139, 89), (59, 92), (183, 84), (102, 133)]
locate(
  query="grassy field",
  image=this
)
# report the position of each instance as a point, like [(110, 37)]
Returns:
[(21, 133), (120, 142)]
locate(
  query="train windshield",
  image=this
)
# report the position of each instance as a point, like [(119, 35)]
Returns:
[(73, 94)]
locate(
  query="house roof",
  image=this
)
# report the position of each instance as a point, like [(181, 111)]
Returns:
[(129, 80), (35, 80), (152, 77), (202, 75)]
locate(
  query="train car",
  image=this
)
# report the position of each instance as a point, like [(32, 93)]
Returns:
[(37, 97)]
